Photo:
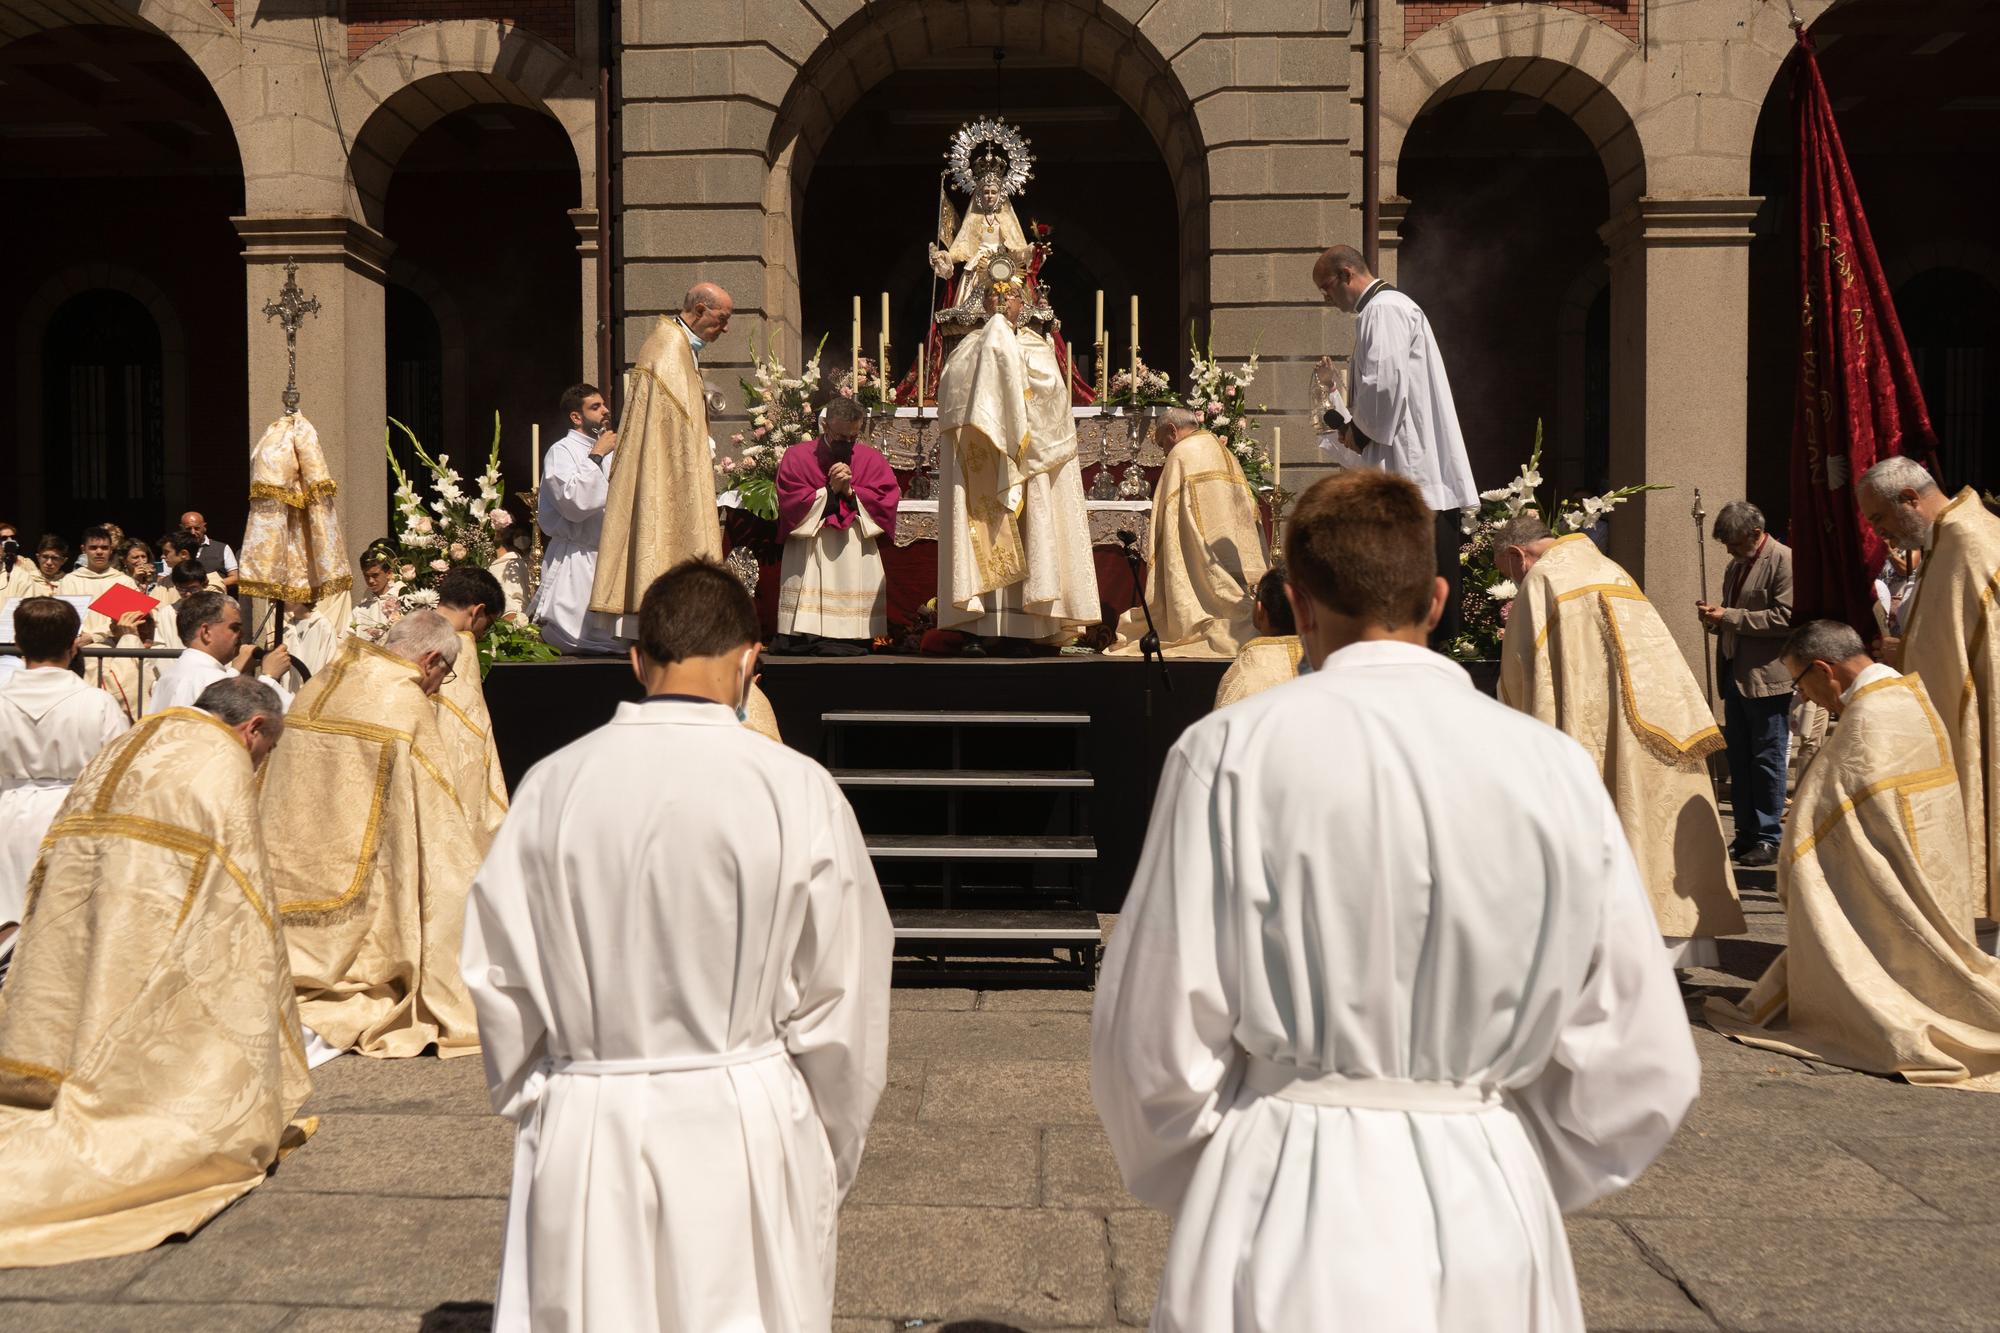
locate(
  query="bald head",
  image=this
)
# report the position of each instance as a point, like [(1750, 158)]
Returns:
[(706, 310), (1342, 275), (1174, 425)]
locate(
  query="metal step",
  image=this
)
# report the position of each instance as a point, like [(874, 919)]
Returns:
[(970, 847), (944, 717), (1021, 778), (1062, 926)]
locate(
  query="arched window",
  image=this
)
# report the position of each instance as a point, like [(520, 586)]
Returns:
[(103, 423)]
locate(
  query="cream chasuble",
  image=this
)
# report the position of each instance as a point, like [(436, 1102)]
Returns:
[(661, 508), (149, 1046), (1264, 662), (51, 726), (467, 730), (1586, 653), (683, 989), (1880, 972), (84, 583), (1947, 640), (1014, 544), (760, 717), (1366, 1040), (1207, 555), (371, 859)]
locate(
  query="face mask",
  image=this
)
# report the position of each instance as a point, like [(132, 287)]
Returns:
[(695, 340), (749, 680)]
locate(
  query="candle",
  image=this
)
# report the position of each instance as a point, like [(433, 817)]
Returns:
[(882, 361), (923, 348), (1069, 370), (855, 363), (1135, 344), (1277, 455), (535, 457), (1097, 339)]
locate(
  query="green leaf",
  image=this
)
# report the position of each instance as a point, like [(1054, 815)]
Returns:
[(759, 496)]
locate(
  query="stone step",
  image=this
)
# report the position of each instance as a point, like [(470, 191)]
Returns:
[(1060, 926), (971, 847), (945, 717), (1021, 778)]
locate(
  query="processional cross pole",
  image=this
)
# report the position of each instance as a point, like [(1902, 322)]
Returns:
[(1701, 554), (290, 310)]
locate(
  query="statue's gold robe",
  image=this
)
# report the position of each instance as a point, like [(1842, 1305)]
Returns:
[(150, 1058), (1265, 661), (467, 730), (661, 507), (1880, 972), (1947, 640), (1586, 653), (371, 859), (1208, 554)]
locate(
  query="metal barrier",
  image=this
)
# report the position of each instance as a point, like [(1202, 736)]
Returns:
[(132, 701)]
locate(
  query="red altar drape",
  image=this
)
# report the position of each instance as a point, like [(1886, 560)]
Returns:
[(1857, 397)]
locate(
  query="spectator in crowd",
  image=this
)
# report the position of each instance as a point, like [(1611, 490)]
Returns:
[(1751, 626), (215, 556)]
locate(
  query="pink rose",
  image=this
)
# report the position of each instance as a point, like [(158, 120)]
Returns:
[(1214, 408), (458, 550), (440, 565), (761, 432), (409, 572), (422, 524), (500, 519)]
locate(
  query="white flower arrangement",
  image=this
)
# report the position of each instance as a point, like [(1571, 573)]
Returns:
[(451, 523), (780, 416), (1220, 399)]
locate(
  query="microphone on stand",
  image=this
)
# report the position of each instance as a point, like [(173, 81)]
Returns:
[(1149, 644)]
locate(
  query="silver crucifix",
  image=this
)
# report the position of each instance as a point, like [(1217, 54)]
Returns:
[(290, 310)]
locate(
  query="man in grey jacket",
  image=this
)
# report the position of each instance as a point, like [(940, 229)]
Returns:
[(1751, 626)]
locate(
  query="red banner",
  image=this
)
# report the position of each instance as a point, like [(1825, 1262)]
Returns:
[(1857, 399)]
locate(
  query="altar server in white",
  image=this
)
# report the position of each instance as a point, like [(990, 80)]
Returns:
[(1367, 1039), (52, 725), (576, 482), (680, 960), (1400, 415)]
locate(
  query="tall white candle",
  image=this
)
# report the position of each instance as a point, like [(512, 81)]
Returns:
[(1277, 455), (1097, 336), (923, 350), (1135, 342), (856, 362), (535, 456)]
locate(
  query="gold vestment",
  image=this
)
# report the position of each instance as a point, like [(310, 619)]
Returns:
[(1207, 555), (467, 730)]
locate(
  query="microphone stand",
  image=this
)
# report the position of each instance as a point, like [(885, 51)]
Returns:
[(1149, 644)]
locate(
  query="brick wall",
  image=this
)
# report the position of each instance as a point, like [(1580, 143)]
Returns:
[(1420, 16), (372, 21)]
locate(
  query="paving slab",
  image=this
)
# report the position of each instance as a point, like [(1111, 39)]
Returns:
[(1777, 1175), (431, 1156), (1040, 1267), (336, 1319), (1808, 1276), (93, 1317), (904, 1092), (93, 1277), (1078, 1170), (1621, 1290), (1027, 1001), (421, 1086), (1047, 1092), (1720, 1055), (921, 999), (1138, 1256), (1038, 1035), (1840, 1108), (946, 1163), (1958, 1177), (338, 1249)]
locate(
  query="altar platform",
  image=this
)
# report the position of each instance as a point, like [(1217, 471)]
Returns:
[(1004, 800)]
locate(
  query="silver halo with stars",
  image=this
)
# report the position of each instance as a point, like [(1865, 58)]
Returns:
[(1003, 139)]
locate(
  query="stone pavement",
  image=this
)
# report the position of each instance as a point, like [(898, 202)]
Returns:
[(1796, 1197)]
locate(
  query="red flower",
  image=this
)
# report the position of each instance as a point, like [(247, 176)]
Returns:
[(1042, 230)]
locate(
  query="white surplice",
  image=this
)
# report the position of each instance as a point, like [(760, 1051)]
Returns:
[(832, 581), (51, 726), (184, 678), (683, 997), (575, 486), (1401, 400), (310, 639), (1451, 944)]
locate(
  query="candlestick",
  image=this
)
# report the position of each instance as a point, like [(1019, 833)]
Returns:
[(534, 456), (1135, 347)]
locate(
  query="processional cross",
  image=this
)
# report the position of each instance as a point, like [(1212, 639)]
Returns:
[(290, 310)]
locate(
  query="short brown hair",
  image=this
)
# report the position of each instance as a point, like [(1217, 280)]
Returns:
[(1363, 543), (46, 628), (696, 609), (575, 396)]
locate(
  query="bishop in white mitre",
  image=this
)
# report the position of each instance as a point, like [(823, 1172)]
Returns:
[(682, 985), (1366, 1040), (52, 725)]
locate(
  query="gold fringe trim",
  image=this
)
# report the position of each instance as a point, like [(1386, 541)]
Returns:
[(294, 592), (294, 497)]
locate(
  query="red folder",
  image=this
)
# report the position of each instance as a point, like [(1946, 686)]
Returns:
[(120, 599)]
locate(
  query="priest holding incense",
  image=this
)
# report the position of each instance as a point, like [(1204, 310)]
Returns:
[(1948, 638), (681, 963), (1880, 971), (1368, 1039), (1207, 551), (660, 508), (837, 502), (371, 855), (1013, 539), (1586, 653), (470, 600), (150, 1062)]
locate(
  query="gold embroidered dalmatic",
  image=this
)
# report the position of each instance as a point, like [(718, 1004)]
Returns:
[(371, 859), (149, 1046), (1586, 653), (1207, 555), (661, 509), (1948, 641), (1264, 662), (467, 730), (1880, 972)]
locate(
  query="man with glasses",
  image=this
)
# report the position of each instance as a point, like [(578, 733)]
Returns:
[(211, 631), (1750, 627)]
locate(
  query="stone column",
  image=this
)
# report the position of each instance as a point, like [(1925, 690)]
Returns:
[(1389, 236), (341, 374), (1680, 330), (589, 247)]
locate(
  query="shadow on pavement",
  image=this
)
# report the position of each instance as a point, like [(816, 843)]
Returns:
[(458, 1317)]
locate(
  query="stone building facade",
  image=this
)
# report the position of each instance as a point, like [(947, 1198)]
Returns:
[(724, 106)]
